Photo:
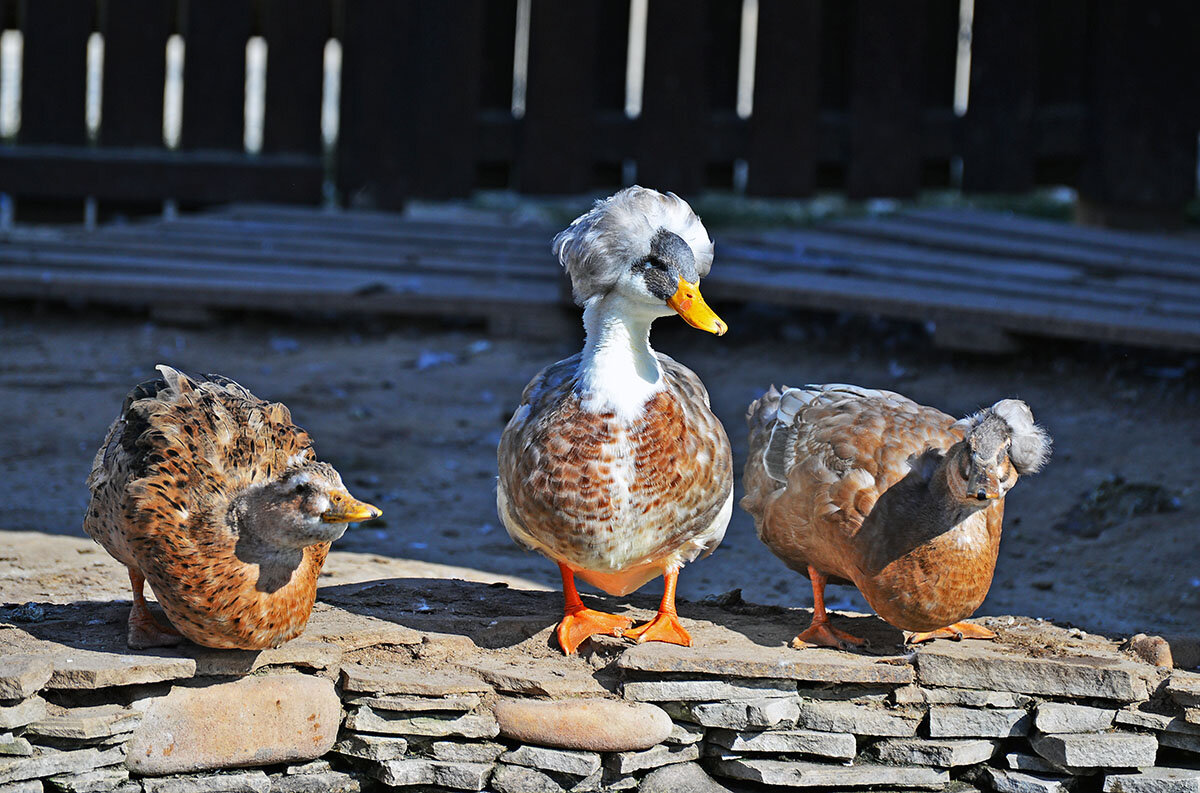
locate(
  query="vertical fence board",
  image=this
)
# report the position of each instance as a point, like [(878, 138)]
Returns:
[(886, 99), (135, 40), (499, 35), (296, 32), (783, 125), (673, 129), (998, 146), (214, 74), (1141, 150), (54, 70), (556, 134)]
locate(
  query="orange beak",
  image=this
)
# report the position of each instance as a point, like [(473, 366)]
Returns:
[(344, 508), (689, 304)]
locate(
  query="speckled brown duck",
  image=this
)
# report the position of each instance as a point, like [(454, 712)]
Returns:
[(216, 499), (852, 485), (614, 466)]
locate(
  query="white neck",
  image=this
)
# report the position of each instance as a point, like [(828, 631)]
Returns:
[(618, 370)]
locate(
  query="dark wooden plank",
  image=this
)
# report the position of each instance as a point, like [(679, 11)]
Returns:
[(135, 39), (496, 64), (153, 174), (783, 126), (1006, 246), (1140, 166), (995, 223), (672, 143), (296, 33), (54, 71), (886, 99), (372, 112), (214, 74), (998, 150), (556, 133)]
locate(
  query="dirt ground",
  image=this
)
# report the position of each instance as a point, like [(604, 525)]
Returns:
[(411, 415)]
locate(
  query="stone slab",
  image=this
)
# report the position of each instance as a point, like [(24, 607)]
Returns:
[(28, 786), (563, 761), (455, 702), (857, 719), (400, 680), (598, 725), (469, 725), (467, 752), (301, 653), (243, 782), (403, 772), (255, 721), (685, 732), (941, 753), (1019, 761), (951, 721), (655, 757), (916, 695), (1180, 740), (535, 680), (27, 712), (100, 721), (22, 676), (522, 779), (1061, 717), (1155, 780), (47, 762), (325, 782), (312, 767), (101, 780), (745, 714), (1020, 782), (371, 747), (352, 631), (819, 775), (705, 690), (813, 664), (462, 776), (836, 745), (420, 771), (14, 745), (972, 665), (1101, 750), (1184, 688), (86, 669), (1137, 717), (680, 778)]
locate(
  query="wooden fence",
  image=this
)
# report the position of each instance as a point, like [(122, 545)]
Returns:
[(849, 95)]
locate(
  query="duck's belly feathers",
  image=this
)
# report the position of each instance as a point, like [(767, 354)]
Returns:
[(618, 500)]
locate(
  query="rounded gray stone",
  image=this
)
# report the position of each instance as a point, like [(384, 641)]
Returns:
[(597, 725)]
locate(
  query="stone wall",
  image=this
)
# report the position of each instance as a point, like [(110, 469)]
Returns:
[(362, 703)]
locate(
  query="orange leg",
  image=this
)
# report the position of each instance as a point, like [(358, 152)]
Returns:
[(665, 626), (580, 622), (958, 631), (820, 633), (144, 630)]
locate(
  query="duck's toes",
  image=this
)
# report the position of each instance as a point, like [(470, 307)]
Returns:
[(663, 628), (958, 631), (822, 634), (582, 623), (144, 633)]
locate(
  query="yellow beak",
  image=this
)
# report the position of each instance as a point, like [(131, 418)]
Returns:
[(344, 508), (689, 304)]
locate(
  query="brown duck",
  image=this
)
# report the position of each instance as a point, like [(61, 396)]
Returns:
[(216, 498), (852, 485)]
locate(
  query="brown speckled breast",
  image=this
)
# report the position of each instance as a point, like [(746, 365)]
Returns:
[(602, 494)]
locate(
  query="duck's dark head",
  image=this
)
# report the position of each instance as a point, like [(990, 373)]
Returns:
[(304, 506)]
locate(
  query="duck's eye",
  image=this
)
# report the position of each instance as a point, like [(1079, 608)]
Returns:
[(653, 264), (302, 489)]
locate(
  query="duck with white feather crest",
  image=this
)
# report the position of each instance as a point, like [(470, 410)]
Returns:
[(614, 466)]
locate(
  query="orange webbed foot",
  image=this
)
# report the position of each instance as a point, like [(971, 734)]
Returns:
[(822, 634), (145, 631), (958, 631), (665, 627), (579, 624)]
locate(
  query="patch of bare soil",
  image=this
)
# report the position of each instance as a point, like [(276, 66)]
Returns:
[(411, 416)]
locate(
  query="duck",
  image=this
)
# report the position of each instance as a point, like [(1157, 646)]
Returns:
[(614, 465), (215, 498), (852, 485)]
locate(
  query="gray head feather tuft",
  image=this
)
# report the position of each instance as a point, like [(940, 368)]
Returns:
[(616, 234), (1030, 443)]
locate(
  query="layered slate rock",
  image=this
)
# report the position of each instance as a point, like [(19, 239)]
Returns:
[(820, 775), (22, 676), (250, 722), (815, 665)]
